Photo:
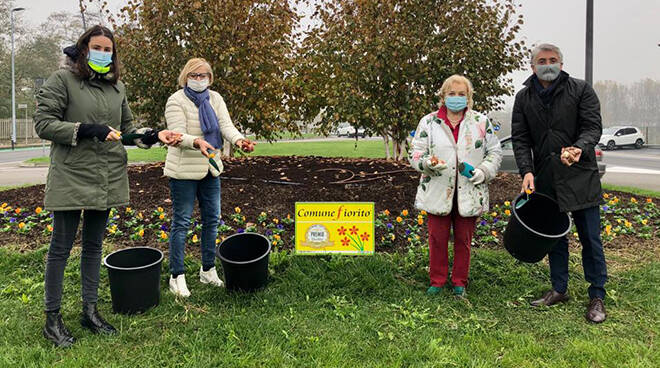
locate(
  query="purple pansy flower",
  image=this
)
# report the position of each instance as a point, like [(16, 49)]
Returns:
[(163, 227), (483, 223), (408, 231), (12, 220), (280, 226), (389, 225), (240, 231), (269, 232)]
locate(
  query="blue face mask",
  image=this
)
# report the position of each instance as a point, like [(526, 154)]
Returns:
[(456, 103), (100, 58)]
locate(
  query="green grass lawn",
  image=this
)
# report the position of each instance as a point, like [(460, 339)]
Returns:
[(288, 135), (345, 312), (343, 148), (637, 191), (2, 188)]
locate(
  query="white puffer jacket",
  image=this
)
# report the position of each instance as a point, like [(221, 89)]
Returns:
[(182, 116), (477, 145)]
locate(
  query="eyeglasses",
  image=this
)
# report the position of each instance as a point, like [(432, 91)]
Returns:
[(199, 75)]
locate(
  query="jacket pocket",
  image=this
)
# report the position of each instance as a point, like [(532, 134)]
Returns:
[(59, 153), (83, 154), (577, 184)]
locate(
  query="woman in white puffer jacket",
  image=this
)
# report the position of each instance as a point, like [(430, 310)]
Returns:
[(202, 117), (445, 141)]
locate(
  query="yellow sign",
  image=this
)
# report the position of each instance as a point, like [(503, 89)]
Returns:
[(335, 227)]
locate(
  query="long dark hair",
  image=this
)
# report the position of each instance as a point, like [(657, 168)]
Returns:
[(81, 68)]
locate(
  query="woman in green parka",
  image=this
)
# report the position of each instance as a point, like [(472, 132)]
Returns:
[(82, 110)]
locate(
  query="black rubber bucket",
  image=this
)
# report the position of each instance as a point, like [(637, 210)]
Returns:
[(535, 228), (244, 260), (134, 275)]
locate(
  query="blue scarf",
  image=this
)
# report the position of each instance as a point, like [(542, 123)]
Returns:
[(207, 118)]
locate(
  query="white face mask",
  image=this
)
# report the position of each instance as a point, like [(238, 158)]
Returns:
[(198, 85), (548, 72)]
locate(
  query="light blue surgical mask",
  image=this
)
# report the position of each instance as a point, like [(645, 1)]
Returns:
[(548, 72), (100, 58), (456, 103)]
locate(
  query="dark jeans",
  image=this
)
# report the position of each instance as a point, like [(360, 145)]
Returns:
[(65, 227), (587, 222), (183, 193)]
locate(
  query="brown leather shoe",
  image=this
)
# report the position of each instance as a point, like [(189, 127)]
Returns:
[(550, 298), (596, 311)]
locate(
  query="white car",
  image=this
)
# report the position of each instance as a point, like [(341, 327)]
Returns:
[(346, 129), (620, 136)]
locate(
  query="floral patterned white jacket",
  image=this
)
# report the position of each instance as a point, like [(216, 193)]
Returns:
[(477, 145)]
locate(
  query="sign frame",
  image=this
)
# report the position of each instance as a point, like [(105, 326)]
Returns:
[(301, 237)]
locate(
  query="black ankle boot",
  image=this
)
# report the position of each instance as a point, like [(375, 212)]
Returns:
[(56, 332), (91, 319)]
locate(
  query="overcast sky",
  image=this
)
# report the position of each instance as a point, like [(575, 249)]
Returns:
[(626, 33)]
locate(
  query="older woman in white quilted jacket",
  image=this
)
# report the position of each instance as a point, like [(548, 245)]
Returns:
[(202, 117), (457, 152)]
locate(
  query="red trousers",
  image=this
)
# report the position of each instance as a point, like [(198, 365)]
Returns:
[(438, 243)]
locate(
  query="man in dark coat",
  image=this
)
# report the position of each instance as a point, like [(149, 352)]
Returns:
[(556, 125)]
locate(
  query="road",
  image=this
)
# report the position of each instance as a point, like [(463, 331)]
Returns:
[(626, 167), (22, 154), (633, 168)]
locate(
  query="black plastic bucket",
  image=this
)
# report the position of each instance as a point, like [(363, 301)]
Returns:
[(134, 275), (535, 228), (244, 260)]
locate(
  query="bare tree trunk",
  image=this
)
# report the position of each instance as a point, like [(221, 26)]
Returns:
[(395, 149), (402, 150), (386, 139)]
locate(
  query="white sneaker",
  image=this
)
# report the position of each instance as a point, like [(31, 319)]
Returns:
[(178, 286), (210, 277)]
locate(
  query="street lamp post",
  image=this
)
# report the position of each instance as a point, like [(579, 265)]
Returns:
[(13, 82), (589, 54)]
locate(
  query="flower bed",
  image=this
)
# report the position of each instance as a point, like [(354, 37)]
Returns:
[(266, 207)]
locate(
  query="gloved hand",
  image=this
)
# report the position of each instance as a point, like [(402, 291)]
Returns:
[(147, 138), (478, 177), (435, 164), (99, 131), (150, 137)]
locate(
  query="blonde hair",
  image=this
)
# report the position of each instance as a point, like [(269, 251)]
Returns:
[(191, 65), (446, 86)]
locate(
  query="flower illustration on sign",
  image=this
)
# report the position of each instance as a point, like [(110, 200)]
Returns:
[(345, 242), (354, 230), (364, 236), (341, 231)]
